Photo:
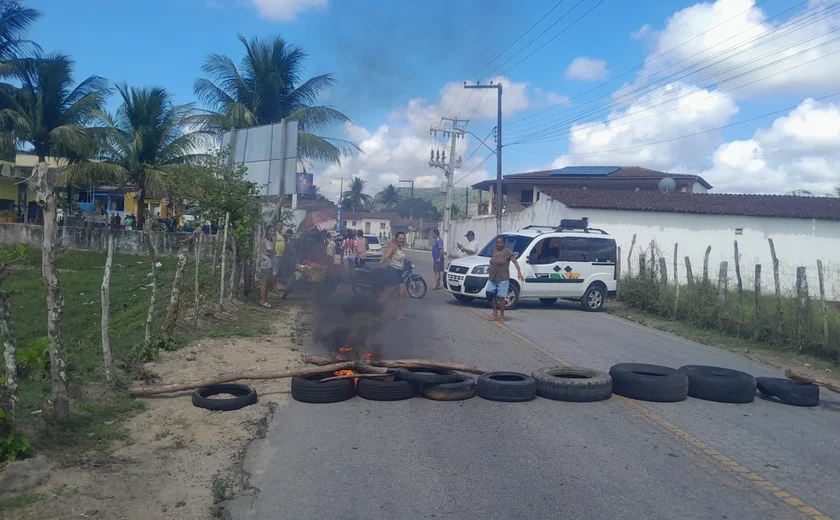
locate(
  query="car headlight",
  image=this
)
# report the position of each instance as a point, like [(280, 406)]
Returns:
[(481, 269)]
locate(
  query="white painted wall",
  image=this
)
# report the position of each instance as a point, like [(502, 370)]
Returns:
[(799, 242)]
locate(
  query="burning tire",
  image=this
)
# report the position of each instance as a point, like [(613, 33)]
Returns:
[(310, 389), (719, 384), (580, 385), (509, 387), (789, 392), (649, 382), (462, 389), (384, 390), (242, 396), (427, 376)]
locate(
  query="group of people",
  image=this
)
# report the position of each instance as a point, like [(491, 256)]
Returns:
[(353, 247)]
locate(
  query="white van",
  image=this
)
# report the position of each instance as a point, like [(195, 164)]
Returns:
[(570, 261)]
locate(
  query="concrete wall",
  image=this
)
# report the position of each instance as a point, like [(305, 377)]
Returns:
[(77, 238), (798, 242)]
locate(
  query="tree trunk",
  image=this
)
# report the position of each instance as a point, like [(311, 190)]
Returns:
[(110, 371), (175, 296), (197, 273), (9, 350), (141, 209), (233, 271), (215, 251), (40, 184), (224, 257), (153, 253)]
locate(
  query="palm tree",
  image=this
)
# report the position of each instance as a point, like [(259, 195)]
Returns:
[(265, 88), (144, 142), (355, 197), (389, 197), (15, 21)]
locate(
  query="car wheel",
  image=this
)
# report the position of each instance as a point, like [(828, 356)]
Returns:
[(593, 298), (548, 301), (512, 298), (463, 299)]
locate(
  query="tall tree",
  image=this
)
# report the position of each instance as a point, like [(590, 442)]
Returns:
[(267, 87), (143, 143), (389, 197), (49, 113), (355, 196)]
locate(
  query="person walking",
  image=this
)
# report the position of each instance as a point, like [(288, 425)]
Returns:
[(361, 248), (499, 282), (394, 259), (437, 258), (266, 265)]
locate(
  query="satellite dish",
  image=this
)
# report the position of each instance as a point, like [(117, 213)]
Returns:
[(667, 185), (800, 193)]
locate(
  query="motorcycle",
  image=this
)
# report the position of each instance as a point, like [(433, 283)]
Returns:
[(311, 277), (366, 281)]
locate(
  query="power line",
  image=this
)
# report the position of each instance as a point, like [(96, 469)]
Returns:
[(477, 166), (786, 109)]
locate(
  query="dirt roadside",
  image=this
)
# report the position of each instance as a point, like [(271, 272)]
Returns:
[(181, 460)]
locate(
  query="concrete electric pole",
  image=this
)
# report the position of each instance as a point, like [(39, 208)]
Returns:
[(448, 167), (498, 202)]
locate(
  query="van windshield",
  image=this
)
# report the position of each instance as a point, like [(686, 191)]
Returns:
[(371, 240), (516, 243)]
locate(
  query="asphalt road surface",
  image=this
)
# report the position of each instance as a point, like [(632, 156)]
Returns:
[(478, 459)]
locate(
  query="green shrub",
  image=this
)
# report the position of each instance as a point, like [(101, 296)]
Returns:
[(34, 360), (13, 443)]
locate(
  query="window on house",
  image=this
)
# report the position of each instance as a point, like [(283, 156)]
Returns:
[(603, 249), (7, 205), (381, 225), (118, 204), (575, 250), (344, 223), (526, 197)]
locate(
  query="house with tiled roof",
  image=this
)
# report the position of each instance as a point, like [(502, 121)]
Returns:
[(520, 190)]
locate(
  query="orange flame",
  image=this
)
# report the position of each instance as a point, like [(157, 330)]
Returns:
[(344, 372), (368, 356)]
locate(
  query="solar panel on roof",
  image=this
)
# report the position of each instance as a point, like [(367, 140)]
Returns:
[(585, 170)]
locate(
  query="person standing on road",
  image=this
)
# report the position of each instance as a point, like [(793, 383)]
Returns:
[(437, 258), (266, 264), (349, 250), (472, 244), (361, 247), (499, 282), (394, 259)]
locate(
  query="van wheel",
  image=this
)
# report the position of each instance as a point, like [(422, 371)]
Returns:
[(463, 299), (548, 301), (512, 298), (593, 298)]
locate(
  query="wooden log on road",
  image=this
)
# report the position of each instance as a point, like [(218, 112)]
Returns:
[(799, 377), (406, 363)]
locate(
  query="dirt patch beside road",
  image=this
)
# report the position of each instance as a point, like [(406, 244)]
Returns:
[(180, 461)]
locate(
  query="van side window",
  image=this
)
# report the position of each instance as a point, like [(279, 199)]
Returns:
[(603, 249), (546, 251), (575, 250)]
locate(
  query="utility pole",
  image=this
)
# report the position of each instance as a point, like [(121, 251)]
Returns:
[(499, 198), (340, 202), (435, 160)]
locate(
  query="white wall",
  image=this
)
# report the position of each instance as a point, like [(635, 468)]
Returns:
[(798, 242)]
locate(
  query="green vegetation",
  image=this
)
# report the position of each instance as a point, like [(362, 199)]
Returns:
[(798, 328), (221, 489), (17, 501)]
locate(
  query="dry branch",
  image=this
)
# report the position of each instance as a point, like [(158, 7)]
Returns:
[(105, 292), (799, 377), (406, 363)]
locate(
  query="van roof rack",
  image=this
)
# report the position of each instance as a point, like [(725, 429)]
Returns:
[(578, 225)]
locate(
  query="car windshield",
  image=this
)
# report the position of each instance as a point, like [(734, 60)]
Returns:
[(516, 243), (372, 240)]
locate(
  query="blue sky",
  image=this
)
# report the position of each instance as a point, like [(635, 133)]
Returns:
[(386, 54)]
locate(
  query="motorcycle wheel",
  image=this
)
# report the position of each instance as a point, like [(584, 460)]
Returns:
[(361, 289), (416, 286)]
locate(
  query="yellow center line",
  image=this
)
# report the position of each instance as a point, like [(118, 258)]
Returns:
[(723, 460)]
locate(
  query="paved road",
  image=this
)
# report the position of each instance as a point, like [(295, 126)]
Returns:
[(545, 459)]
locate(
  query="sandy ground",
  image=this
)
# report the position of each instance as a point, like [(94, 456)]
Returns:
[(176, 451)]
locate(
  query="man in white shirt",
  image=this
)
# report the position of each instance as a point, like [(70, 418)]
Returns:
[(472, 245)]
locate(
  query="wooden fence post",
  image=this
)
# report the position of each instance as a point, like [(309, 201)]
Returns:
[(757, 299), (618, 272), (723, 280), (676, 280), (738, 271), (776, 280), (642, 265), (823, 309), (105, 292), (653, 258), (224, 257), (706, 264), (803, 299), (689, 276), (197, 272), (663, 272), (629, 255)]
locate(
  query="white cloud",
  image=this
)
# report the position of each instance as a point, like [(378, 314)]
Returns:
[(799, 151), (286, 10), (213, 4), (587, 69), (740, 40), (642, 33)]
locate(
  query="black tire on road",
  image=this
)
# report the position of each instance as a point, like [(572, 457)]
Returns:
[(719, 384), (462, 389), (789, 392), (416, 286), (385, 390), (463, 299), (649, 382), (242, 396), (575, 384), (427, 376), (509, 387), (548, 301), (593, 299), (310, 389)]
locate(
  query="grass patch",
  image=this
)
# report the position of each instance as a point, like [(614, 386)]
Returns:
[(19, 500), (221, 489), (97, 412)]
